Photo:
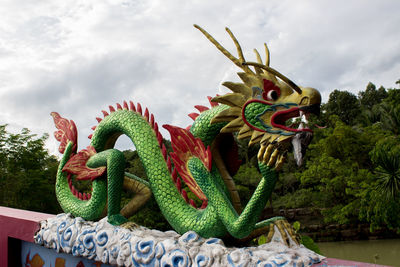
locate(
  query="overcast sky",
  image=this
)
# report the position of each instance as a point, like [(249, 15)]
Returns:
[(78, 57)]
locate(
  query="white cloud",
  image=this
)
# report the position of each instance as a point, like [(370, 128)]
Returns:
[(78, 57)]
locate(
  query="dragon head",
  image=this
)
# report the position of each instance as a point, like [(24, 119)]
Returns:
[(265, 105)]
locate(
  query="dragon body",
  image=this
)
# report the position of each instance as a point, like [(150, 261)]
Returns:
[(256, 109)]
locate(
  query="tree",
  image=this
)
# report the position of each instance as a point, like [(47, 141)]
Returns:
[(380, 196), (336, 165), (371, 96), (343, 104), (386, 157), (27, 172)]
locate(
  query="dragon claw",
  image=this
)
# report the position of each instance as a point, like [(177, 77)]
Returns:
[(288, 235), (130, 225), (271, 156)]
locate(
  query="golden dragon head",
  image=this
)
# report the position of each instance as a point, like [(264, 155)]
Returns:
[(263, 107)]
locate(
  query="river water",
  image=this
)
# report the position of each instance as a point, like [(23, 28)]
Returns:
[(384, 252)]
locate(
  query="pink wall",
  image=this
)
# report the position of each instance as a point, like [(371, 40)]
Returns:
[(19, 224)]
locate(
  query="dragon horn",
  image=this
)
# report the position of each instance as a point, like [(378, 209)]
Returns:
[(276, 73), (237, 61), (259, 60), (267, 58)]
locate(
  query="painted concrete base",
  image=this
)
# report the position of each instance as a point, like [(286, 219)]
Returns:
[(22, 225), (103, 242), (33, 255)]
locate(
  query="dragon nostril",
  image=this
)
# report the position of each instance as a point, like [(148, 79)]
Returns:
[(305, 101)]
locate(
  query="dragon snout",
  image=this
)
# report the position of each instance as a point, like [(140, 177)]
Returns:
[(309, 96)]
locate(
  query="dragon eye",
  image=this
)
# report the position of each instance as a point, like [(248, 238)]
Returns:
[(272, 95), (271, 91)]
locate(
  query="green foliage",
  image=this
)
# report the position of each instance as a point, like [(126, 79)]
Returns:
[(309, 243), (296, 226), (261, 240), (343, 104), (386, 156), (248, 175), (133, 164), (389, 116), (371, 96), (380, 197), (27, 172), (246, 180), (352, 167), (336, 166)]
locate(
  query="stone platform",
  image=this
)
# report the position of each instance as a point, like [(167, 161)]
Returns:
[(103, 243)]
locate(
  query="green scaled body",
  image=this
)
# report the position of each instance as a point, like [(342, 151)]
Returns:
[(218, 218)]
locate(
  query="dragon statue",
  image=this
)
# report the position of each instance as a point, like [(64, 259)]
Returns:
[(260, 109)]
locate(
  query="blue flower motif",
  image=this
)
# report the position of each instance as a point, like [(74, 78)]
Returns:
[(213, 241), (102, 239), (86, 246), (115, 251), (188, 236), (176, 258), (66, 236), (144, 251), (202, 260)]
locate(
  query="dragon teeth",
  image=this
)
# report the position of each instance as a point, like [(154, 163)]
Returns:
[(303, 117)]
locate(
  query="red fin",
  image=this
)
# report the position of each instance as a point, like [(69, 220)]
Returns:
[(169, 164), (201, 108), (125, 105), (119, 106), (178, 184), (159, 138), (191, 202), (152, 121), (111, 108), (132, 106), (174, 175), (185, 146), (105, 113), (73, 190), (139, 108), (212, 104), (146, 114), (193, 116), (184, 194), (99, 119), (77, 165), (66, 132)]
